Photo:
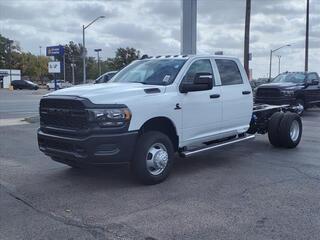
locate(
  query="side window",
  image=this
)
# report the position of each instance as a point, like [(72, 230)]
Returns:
[(312, 76), (105, 78), (199, 66), (229, 72)]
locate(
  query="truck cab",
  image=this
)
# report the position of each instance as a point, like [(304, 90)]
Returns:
[(151, 109)]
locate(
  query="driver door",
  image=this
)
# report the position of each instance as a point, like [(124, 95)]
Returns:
[(201, 110)]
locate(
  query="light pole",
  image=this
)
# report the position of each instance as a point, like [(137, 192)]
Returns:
[(279, 63), (73, 65), (99, 66), (84, 46), (271, 52), (40, 50)]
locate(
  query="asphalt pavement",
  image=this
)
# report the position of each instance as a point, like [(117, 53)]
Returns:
[(245, 191)]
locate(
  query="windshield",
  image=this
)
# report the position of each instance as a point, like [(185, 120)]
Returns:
[(290, 77), (150, 71)]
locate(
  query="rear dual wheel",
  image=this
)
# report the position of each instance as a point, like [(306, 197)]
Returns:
[(285, 129)]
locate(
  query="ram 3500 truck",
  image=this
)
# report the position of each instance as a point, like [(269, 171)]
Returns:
[(156, 107)]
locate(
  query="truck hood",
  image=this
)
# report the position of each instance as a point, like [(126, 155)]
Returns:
[(113, 93), (287, 85)]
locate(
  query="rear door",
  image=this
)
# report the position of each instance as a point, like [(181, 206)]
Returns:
[(237, 100)]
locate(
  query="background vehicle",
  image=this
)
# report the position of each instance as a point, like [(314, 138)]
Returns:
[(156, 107), (298, 89), (60, 84), (24, 84), (105, 77)]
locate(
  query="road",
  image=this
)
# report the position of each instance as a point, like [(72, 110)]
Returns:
[(19, 103), (245, 191)]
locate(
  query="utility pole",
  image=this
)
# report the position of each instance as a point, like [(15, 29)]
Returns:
[(98, 57), (40, 50), (247, 37), (306, 59), (279, 64)]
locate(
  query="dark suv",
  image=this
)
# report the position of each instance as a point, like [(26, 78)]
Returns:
[(299, 89)]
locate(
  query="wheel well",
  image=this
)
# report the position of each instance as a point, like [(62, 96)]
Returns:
[(164, 125)]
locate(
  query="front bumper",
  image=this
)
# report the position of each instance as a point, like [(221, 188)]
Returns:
[(276, 100), (95, 149)]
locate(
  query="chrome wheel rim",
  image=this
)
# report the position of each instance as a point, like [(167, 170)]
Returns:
[(294, 130), (300, 108), (157, 158)]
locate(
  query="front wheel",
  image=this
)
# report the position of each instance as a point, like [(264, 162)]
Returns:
[(153, 158)]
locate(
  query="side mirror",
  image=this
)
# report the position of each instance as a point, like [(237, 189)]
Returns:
[(315, 82), (202, 82)]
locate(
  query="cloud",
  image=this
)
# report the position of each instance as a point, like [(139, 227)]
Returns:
[(153, 26)]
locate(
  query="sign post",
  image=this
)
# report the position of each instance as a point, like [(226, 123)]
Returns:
[(56, 51), (54, 67)]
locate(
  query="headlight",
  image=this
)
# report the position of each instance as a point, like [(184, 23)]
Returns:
[(287, 92), (113, 117)]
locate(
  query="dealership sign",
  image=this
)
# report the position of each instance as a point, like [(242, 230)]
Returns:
[(54, 67), (55, 50)]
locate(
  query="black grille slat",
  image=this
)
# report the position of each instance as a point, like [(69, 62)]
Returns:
[(63, 113), (268, 92)]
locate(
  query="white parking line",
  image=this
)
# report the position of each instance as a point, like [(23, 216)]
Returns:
[(12, 122)]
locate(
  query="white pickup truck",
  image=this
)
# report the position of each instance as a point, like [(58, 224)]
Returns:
[(156, 107)]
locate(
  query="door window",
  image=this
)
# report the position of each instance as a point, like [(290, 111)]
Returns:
[(229, 72), (199, 66)]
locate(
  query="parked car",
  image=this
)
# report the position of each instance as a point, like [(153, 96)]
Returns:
[(299, 89), (157, 107), (60, 84), (24, 84), (105, 77)]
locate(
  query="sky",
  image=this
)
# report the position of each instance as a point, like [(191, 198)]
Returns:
[(153, 27)]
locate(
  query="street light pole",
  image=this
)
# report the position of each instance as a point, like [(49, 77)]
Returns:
[(84, 46), (73, 65), (279, 63), (271, 52), (98, 57)]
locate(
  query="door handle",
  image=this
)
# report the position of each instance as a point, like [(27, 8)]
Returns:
[(246, 92), (215, 96)]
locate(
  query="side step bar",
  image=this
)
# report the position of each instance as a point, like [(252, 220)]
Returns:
[(216, 145)]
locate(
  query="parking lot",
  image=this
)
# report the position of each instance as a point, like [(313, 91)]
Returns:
[(246, 191)]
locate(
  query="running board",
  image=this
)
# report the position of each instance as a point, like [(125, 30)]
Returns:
[(216, 145)]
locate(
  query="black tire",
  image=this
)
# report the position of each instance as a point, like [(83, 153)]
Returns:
[(300, 102), (139, 166), (274, 129), (290, 130)]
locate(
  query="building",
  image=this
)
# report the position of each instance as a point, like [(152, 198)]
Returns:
[(5, 77)]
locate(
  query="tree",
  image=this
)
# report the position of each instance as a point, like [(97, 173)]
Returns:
[(123, 57)]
